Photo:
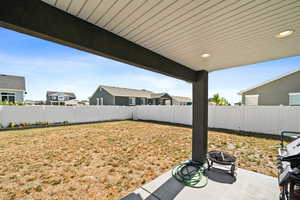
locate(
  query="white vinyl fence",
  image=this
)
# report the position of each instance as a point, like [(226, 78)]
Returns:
[(55, 114), (261, 119)]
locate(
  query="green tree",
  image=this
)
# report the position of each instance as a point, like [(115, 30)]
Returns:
[(219, 101)]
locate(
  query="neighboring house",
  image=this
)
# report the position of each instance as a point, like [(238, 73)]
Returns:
[(283, 90), (210, 103), (84, 102), (34, 102), (58, 98), (75, 102), (12, 88), (107, 95), (72, 102), (183, 101)]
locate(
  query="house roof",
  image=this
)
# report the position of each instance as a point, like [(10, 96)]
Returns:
[(56, 93), (182, 99), (158, 95), (12, 82), (269, 81), (126, 92)]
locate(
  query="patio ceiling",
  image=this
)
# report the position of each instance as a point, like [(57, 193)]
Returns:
[(233, 32)]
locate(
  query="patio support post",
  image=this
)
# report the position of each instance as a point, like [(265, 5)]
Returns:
[(200, 116)]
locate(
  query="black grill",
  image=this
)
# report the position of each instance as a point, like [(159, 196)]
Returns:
[(289, 168)]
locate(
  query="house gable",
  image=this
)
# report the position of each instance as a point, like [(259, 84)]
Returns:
[(276, 92), (108, 99)]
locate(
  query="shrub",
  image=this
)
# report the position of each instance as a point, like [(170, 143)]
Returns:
[(12, 125), (7, 103), (22, 124), (40, 124), (19, 104)]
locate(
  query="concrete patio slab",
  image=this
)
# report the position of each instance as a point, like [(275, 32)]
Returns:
[(248, 185), (140, 194)]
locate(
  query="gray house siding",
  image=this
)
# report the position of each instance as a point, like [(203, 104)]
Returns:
[(124, 101), (138, 101), (12, 88), (111, 100), (122, 96), (276, 92), (121, 101), (108, 99)]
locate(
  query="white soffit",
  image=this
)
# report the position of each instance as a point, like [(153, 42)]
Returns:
[(233, 32)]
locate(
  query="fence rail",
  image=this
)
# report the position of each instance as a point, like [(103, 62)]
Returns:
[(261, 119), (56, 114)]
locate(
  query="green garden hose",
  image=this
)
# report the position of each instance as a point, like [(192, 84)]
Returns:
[(191, 174)]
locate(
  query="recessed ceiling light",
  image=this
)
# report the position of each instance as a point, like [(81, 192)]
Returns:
[(284, 34), (205, 55)]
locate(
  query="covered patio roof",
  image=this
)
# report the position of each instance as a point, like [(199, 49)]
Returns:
[(233, 32)]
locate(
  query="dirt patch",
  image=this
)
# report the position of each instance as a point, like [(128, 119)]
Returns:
[(108, 160)]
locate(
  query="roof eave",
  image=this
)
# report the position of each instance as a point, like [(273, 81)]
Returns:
[(269, 81)]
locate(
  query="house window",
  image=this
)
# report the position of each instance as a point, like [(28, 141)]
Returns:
[(143, 101), (10, 97), (53, 98), (99, 101), (131, 100), (61, 98), (251, 100), (294, 99)]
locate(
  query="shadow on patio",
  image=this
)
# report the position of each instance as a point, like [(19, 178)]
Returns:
[(247, 186)]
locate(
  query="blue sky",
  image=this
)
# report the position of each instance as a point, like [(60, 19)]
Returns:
[(49, 66)]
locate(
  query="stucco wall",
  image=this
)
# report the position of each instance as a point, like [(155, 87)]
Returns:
[(276, 92)]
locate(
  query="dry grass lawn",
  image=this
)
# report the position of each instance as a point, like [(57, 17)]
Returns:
[(108, 160)]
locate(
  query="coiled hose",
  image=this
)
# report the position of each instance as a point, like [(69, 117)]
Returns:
[(191, 174)]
